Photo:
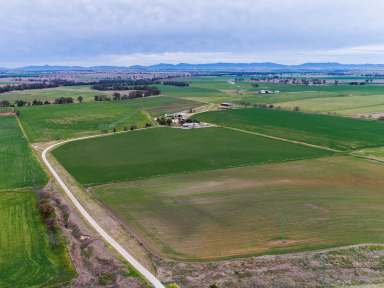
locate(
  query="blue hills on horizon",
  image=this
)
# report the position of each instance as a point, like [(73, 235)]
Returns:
[(261, 66)]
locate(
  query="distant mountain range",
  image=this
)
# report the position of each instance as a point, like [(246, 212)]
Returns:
[(222, 67)]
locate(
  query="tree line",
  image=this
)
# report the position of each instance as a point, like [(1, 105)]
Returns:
[(130, 95), (37, 102), (42, 85), (110, 85), (176, 83), (20, 87)]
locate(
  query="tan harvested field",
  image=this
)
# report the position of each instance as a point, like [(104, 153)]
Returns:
[(273, 208)]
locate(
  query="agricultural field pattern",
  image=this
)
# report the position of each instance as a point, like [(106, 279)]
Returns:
[(208, 171)]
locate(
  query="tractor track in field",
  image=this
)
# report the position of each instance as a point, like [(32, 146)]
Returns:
[(284, 139)]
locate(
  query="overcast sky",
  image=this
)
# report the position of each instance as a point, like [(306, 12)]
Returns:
[(126, 32)]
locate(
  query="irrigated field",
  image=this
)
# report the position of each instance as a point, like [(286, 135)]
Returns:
[(50, 122), (18, 167), (331, 131), (26, 257), (161, 151), (272, 208)]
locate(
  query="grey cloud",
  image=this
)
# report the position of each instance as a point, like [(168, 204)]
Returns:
[(53, 30)]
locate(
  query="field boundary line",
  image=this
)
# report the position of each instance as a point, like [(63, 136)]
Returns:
[(22, 128), (109, 239), (370, 158), (283, 139)]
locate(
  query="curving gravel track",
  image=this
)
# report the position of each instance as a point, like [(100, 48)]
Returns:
[(124, 253)]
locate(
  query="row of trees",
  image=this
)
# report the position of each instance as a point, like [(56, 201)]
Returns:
[(43, 85), (131, 95), (37, 102), (176, 83), (110, 85)]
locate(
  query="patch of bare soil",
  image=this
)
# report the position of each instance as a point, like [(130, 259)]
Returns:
[(353, 265), (95, 263)]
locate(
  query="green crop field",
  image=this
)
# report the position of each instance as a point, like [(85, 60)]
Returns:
[(161, 151), (331, 131), (51, 94), (50, 122), (336, 104), (18, 167), (159, 105), (343, 99), (254, 210), (194, 93), (26, 257), (6, 109)]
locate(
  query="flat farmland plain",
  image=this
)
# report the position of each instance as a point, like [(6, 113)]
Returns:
[(50, 94), (161, 151), (160, 105), (53, 122), (26, 257), (254, 210), (338, 104), (342, 99), (330, 131), (18, 166)]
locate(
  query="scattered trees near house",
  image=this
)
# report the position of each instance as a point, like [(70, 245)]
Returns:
[(80, 99), (101, 98), (5, 103), (164, 121), (20, 103), (262, 106), (37, 102), (116, 96), (355, 83), (64, 100)]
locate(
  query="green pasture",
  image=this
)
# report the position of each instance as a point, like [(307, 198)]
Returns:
[(18, 166), (162, 151), (52, 122), (331, 131), (27, 259)]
